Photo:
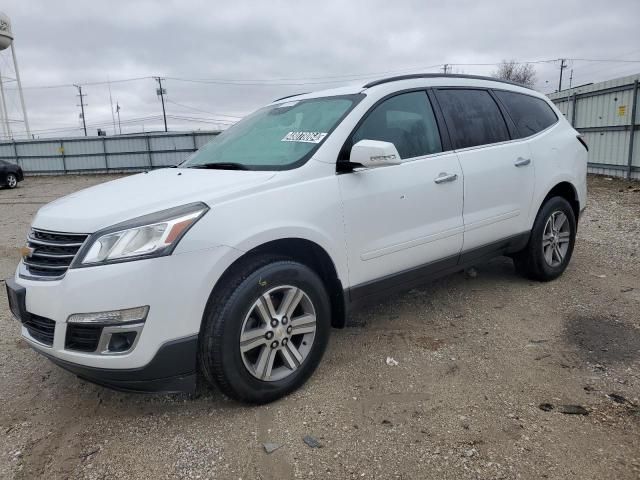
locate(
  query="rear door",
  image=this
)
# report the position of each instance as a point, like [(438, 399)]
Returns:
[(534, 120), (498, 171), (398, 218), (4, 169)]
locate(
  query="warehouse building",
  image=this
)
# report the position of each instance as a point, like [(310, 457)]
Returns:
[(606, 113)]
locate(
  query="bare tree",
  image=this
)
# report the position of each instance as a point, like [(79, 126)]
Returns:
[(523, 73)]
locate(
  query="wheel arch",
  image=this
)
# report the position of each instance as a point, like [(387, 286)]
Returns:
[(567, 191), (308, 253)]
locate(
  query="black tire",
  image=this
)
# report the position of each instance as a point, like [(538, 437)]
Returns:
[(11, 181), (219, 354), (531, 261)]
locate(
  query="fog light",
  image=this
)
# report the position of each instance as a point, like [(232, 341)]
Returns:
[(122, 342), (112, 317)]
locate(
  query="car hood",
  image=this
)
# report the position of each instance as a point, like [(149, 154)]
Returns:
[(91, 209)]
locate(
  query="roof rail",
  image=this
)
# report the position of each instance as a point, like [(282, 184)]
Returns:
[(289, 96), (438, 75)]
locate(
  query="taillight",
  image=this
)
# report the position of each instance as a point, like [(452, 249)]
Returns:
[(583, 142)]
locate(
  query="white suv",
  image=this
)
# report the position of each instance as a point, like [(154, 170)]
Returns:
[(237, 263)]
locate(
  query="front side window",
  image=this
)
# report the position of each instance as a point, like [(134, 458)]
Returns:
[(276, 137), (405, 120), (530, 114), (473, 117)]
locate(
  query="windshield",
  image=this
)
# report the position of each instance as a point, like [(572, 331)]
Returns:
[(276, 137)]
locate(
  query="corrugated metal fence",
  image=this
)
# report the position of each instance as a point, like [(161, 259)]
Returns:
[(103, 154), (607, 115)]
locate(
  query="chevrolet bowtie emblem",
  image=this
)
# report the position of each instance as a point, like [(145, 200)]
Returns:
[(26, 252)]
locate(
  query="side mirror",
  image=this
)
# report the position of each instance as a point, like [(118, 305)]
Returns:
[(374, 153)]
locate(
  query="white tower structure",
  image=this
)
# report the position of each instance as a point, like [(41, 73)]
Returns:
[(6, 42)]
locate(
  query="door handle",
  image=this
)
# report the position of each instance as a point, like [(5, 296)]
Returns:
[(522, 162), (445, 177)]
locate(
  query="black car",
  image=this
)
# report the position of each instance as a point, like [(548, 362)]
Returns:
[(10, 174)]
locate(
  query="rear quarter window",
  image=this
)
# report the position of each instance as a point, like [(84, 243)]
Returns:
[(530, 114)]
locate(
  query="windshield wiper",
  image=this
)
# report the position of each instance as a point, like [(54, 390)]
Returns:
[(221, 166)]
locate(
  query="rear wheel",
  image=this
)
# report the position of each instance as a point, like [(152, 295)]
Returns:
[(266, 330), (12, 180), (550, 246)]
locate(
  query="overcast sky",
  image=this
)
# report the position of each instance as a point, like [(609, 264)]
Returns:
[(254, 45)]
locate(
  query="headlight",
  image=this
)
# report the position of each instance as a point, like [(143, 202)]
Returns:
[(153, 235)]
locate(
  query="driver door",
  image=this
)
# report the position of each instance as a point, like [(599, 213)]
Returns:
[(402, 222)]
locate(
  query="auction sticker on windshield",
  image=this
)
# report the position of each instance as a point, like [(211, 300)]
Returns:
[(306, 137)]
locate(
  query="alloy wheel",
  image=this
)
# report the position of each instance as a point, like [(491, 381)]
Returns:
[(556, 238), (278, 333), (12, 181)]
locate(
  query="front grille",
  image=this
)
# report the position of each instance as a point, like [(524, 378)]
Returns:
[(83, 338), (52, 253), (40, 328)]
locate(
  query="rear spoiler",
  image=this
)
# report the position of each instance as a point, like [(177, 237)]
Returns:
[(583, 142)]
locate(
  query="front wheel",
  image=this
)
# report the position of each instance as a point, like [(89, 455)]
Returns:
[(265, 331), (550, 246), (11, 181)]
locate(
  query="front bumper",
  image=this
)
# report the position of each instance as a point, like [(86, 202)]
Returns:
[(176, 289), (172, 369)]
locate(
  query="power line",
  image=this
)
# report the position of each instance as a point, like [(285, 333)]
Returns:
[(68, 85), (132, 121), (296, 81), (200, 110), (610, 60), (201, 120), (299, 81), (99, 124), (589, 64), (291, 81)]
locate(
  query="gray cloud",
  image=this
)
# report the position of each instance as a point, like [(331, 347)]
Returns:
[(74, 42)]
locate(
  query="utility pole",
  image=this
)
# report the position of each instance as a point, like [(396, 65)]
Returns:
[(445, 67), (571, 78), (113, 117), (161, 92), (118, 112), (82, 105), (563, 65)]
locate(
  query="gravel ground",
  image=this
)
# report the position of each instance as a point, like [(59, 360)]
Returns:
[(477, 355)]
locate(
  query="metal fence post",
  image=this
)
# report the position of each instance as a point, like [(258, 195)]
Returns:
[(633, 128), (573, 110), (193, 136), (15, 152), (148, 143), (104, 150), (64, 162)]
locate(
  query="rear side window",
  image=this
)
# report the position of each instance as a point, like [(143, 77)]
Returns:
[(473, 117), (405, 120), (530, 114)]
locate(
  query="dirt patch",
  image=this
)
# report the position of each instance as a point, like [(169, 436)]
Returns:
[(603, 340), (428, 343)]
